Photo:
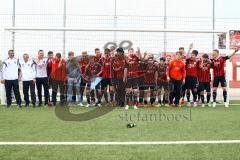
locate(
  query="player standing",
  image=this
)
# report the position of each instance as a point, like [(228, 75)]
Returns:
[(10, 78), (42, 78), (118, 65), (58, 76), (83, 62), (131, 73), (28, 76), (162, 82), (106, 82), (219, 74), (204, 78), (176, 74), (150, 80), (191, 83), (93, 70)]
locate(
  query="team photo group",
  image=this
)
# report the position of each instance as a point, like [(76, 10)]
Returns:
[(116, 78)]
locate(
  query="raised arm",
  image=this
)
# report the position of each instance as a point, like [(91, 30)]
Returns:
[(235, 51), (139, 53), (189, 50)]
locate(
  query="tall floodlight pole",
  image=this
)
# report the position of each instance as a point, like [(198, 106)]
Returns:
[(115, 19), (13, 23), (213, 23), (165, 27), (64, 25)]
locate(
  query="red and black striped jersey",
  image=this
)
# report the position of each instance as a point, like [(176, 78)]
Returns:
[(118, 65), (93, 69), (162, 72), (97, 58), (106, 67), (192, 67), (142, 67), (133, 66), (151, 69), (204, 74), (83, 62), (218, 66)]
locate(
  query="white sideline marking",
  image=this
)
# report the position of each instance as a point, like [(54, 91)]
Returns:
[(126, 143), (235, 104)]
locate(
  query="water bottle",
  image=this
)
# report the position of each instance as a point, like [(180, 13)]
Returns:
[(131, 125)]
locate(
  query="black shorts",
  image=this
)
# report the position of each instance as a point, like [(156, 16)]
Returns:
[(218, 80), (106, 82), (191, 82), (164, 85), (151, 86), (132, 82), (204, 86), (140, 81)]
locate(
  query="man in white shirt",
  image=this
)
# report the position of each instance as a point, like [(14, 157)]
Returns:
[(10, 77), (41, 77), (28, 76)]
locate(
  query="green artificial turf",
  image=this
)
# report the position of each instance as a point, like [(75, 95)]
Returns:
[(153, 124)]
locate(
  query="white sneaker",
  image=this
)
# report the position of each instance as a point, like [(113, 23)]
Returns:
[(203, 105), (80, 104), (127, 107), (195, 104), (87, 106), (209, 105), (188, 104), (214, 104), (226, 105), (135, 107), (180, 100)]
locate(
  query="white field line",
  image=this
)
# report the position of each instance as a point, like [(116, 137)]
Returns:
[(127, 143), (235, 104)]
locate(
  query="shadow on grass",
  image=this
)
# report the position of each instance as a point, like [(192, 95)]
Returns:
[(63, 113)]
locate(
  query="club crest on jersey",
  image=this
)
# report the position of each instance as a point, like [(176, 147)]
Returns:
[(192, 65), (204, 68)]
